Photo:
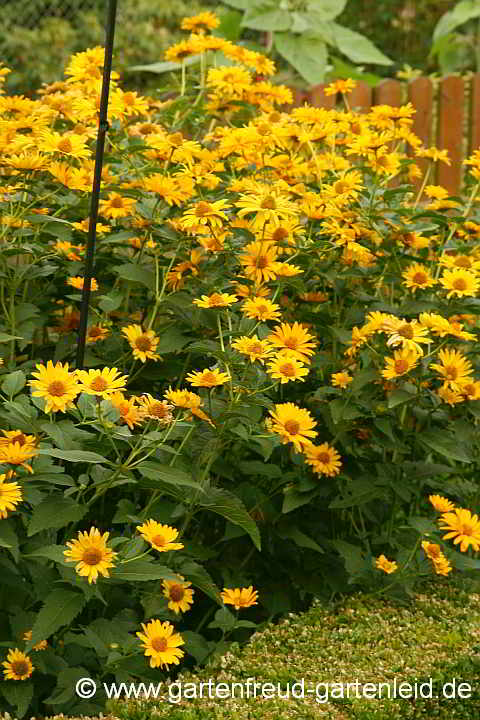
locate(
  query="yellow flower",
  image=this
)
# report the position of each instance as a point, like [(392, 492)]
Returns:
[(116, 206), (434, 553), (408, 335), (323, 458), (179, 595), (143, 343), (460, 282), (216, 300), (441, 504), (205, 213), (293, 424), (253, 347), (184, 398), (286, 367), (101, 383), (260, 308), (130, 412), (207, 378), (388, 566), (434, 154), (95, 333), (402, 362), (239, 597), (77, 282), (454, 368), (10, 495), (463, 527), (269, 206), (58, 386), (340, 86), (161, 644), (91, 554), (418, 277), (293, 339), (341, 379), (161, 537), (42, 645), (71, 145), (203, 21), (260, 261), (156, 409), (17, 436), (18, 666)]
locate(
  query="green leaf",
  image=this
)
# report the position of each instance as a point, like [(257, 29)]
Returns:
[(13, 383), (230, 507), (328, 9), (299, 538), (196, 645), (341, 410), (156, 471), (352, 556), (397, 397), (294, 499), (239, 4), (357, 47), (307, 54), (268, 17), (444, 445), (8, 538), (59, 609), (136, 273), (255, 467), (224, 620), (74, 455), (51, 552), (422, 525), (141, 571), (200, 578), (161, 67), (54, 512), (19, 694), (4, 337), (460, 14)]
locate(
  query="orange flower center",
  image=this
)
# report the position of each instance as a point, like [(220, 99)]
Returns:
[(56, 388), (216, 300), (95, 331), (340, 187), (463, 261), (292, 427), (460, 284), (117, 202), (451, 372), (262, 309), (92, 557), (466, 529), (291, 343), (401, 366), (420, 278), (268, 203), (262, 261), (406, 331), (176, 593), (210, 377), (20, 439), (323, 457), (159, 540), (99, 384), (159, 410), (160, 644), (287, 369), (256, 348), (20, 668), (143, 343), (202, 209), (65, 145), (129, 98)]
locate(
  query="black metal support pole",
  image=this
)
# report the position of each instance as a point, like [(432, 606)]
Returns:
[(97, 176)]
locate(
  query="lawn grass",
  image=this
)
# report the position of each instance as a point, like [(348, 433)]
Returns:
[(436, 637)]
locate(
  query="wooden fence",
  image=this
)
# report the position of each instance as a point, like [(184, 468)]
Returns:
[(447, 116)]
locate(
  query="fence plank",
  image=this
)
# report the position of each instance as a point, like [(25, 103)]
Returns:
[(360, 99), (317, 97), (420, 94), (474, 135), (450, 132), (299, 97), (388, 92)]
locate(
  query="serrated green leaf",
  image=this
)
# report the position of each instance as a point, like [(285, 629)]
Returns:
[(357, 47), (51, 552), (74, 455), (136, 273), (422, 525), (463, 11), (327, 9), (268, 17), (200, 578), (230, 507), (299, 538), (142, 571), (444, 445), (19, 694), (13, 383), (59, 608), (156, 471), (54, 512), (307, 54), (294, 499), (196, 645)]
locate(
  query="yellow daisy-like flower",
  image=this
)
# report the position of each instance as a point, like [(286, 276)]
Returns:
[(470, 390), (42, 645), (16, 454), (406, 334), (260, 261), (77, 282), (202, 22), (183, 398), (17, 436), (179, 594), (293, 424), (253, 347), (402, 362), (323, 458), (10, 495), (161, 537), (293, 339), (101, 383), (96, 333), (216, 300), (91, 554), (418, 277), (441, 504), (260, 308), (130, 412), (341, 379), (71, 145), (207, 378), (18, 666), (434, 553), (240, 597), (143, 342), (156, 409), (206, 213), (286, 367), (388, 566), (340, 86), (161, 643), (269, 206), (56, 385), (463, 527), (117, 206), (454, 368), (460, 282)]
